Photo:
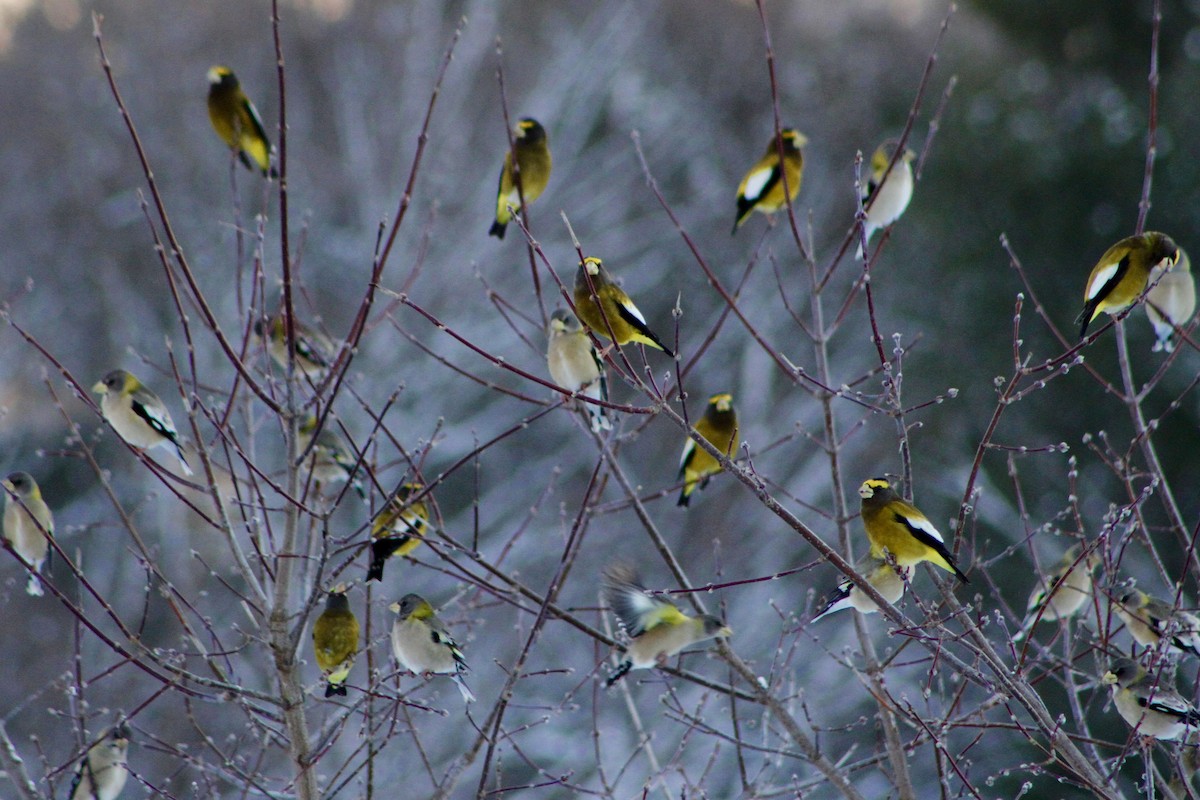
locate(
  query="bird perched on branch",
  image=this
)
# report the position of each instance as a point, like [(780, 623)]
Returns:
[(1149, 619), (28, 524), (899, 528), (656, 628), (236, 121), (1062, 592), (398, 529), (885, 200), (422, 645), (137, 415), (1171, 300), (719, 426), (886, 579), (762, 188), (335, 640), (102, 773), (314, 350), (1150, 706), (603, 305), (329, 459), (1122, 274), (533, 164), (576, 366)]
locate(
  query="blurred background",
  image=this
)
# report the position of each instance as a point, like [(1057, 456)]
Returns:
[(1042, 139)]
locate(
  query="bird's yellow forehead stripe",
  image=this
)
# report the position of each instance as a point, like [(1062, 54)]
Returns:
[(721, 401), (869, 486)]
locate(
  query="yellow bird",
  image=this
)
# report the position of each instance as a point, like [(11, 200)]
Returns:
[(398, 529), (533, 164), (137, 415), (656, 628), (899, 528), (236, 121), (1152, 708), (335, 640), (28, 525), (762, 188), (719, 426), (1063, 592), (889, 581), (601, 304), (422, 645), (575, 365), (314, 350), (1149, 619), (102, 773), (1171, 301), (885, 200), (1122, 274), (329, 459)]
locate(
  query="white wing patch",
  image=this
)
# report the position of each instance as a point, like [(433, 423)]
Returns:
[(688, 449), (1102, 277), (633, 311), (922, 524), (159, 419), (755, 183)]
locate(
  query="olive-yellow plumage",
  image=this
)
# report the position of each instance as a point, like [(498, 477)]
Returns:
[(656, 628), (762, 188), (899, 528), (610, 308), (137, 415), (533, 166), (884, 200), (1149, 620), (1122, 274), (335, 640), (28, 524), (1061, 593), (398, 529), (236, 121), (1149, 703), (1171, 301), (423, 646), (889, 581), (329, 459), (575, 365), (719, 426), (314, 350)]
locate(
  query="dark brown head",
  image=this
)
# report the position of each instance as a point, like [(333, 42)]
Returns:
[(875, 492), (530, 131)]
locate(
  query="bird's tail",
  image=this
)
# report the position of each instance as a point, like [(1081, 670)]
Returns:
[(467, 695), (34, 587), (621, 672), (497, 229), (183, 465)]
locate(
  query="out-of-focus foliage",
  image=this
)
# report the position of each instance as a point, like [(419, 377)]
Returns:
[(1043, 139)]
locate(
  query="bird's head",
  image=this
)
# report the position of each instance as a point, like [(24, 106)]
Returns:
[(118, 382), (20, 483), (1163, 250), (715, 626), (792, 139), (1134, 598), (530, 130), (222, 76), (413, 606), (563, 321), (721, 402), (875, 489), (1122, 672), (592, 265)]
